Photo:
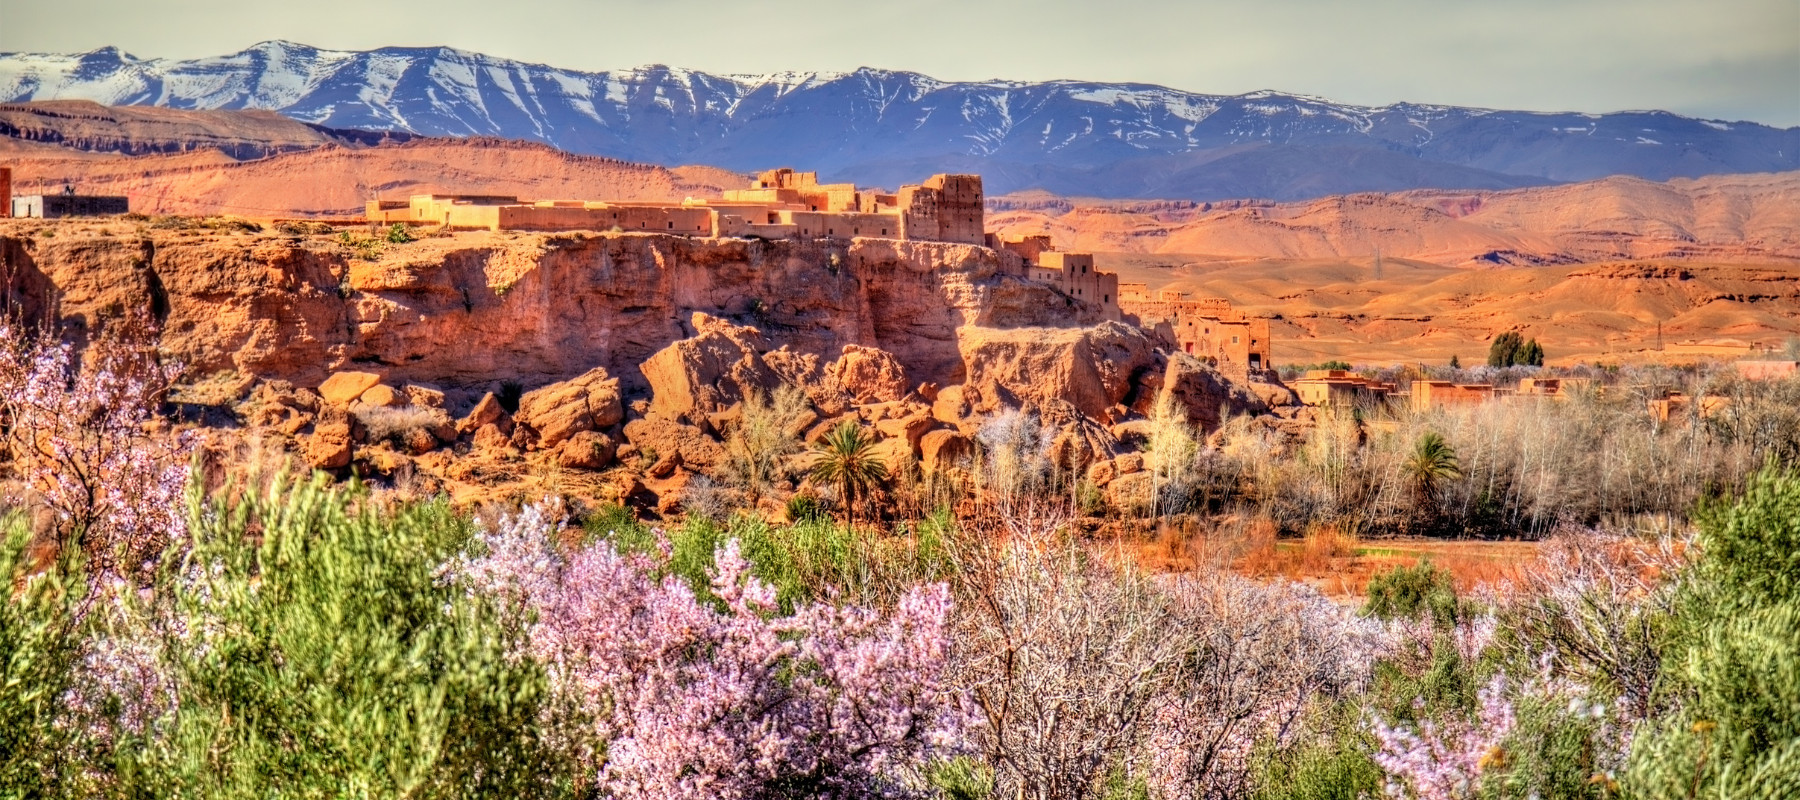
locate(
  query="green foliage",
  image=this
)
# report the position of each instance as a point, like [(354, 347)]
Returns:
[(1550, 754), (364, 248), (961, 778), (845, 459), (400, 233), (1410, 592), (618, 525), (809, 560), (1433, 462), (1751, 547), (1738, 656), (804, 506), (39, 645), (1511, 349), (324, 656), (1336, 766)]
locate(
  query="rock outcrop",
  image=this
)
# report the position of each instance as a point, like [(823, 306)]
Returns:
[(1195, 387), (1089, 368), (556, 413), (867, 375)]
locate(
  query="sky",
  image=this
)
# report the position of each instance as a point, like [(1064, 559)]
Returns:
[(1726, 59)]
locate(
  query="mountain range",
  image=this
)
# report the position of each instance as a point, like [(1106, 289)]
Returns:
[(883, 127)]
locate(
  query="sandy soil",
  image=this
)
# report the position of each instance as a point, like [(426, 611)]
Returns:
[(1419, 312)]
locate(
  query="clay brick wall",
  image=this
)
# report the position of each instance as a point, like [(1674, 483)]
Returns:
[(1430, 394), (918, 207), (5, 191), (961, 215)]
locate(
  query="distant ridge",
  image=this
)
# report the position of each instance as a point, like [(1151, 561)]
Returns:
[(881, 127)]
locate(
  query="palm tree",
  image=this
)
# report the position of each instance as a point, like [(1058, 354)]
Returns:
[(843, 458), (1433, 462)]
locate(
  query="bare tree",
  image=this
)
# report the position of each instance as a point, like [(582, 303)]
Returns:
[(1078, 668)]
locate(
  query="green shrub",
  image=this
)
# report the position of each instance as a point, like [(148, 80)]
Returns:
[(1335, 768), (1737, 657), (804, 506), (39, 646), (961, 778), (1405, 592), (326, 656), (400, 233)]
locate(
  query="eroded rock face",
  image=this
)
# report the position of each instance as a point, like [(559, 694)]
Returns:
[(471, 310), (867, 375), (1089, 368), (1196, 388), (717, 367)]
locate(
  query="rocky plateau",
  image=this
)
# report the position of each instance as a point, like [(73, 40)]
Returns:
[(470, 362)]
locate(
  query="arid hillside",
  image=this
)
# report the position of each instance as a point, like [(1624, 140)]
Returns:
[(1726, 218), (144, 130), (335, 179), (1413, 311)]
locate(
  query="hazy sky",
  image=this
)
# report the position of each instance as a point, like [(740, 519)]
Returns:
[(1733, 59)]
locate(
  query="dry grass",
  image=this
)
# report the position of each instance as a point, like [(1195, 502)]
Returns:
[(1329, 558)]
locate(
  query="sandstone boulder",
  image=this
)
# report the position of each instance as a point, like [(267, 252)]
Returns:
[(486, 412), (715, 368), (950, 407), (586, 450), (559, 411), (911, 429), (1132, 492), (382, 394), (867, 375), (943, 450), (419, 441), (1090, 368), (1129, 463), (343, 387), (667, 438), (1101, 473), (490, 437), (424, 396), (896, 455), (329, 446)]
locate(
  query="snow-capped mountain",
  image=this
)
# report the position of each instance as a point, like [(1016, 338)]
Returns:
[(882, 127)]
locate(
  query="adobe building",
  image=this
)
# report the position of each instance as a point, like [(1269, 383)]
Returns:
[(783, 204), (1427, 395), (65, 204), (1207, 327), (1338, 387), (1074, 274), (1676, 406), (5, 191), (779, 204)]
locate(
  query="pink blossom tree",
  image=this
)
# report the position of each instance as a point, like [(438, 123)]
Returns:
[(80, 439), (685, 701)]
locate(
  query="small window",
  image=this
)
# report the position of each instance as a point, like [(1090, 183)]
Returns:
[(671, 226), (1106, 298), (1234, 340)]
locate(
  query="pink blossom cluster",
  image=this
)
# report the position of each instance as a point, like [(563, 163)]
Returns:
[(1446, 762), (79, 436), (686, 701)]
